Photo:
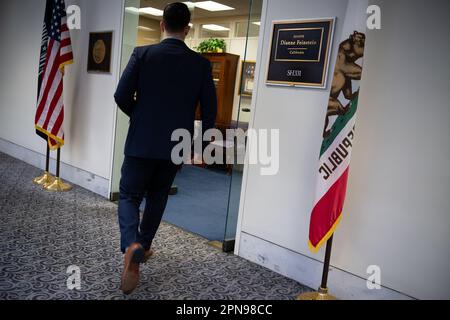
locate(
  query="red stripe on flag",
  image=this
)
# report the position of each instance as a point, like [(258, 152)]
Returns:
[(41, 96), (53, 104), (327, 212), (58, 123), (65, 42), (48, 86), (66, 57)]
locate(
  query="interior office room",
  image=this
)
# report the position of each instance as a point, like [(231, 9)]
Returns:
[(229, 232)]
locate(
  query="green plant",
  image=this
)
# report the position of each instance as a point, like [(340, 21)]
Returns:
[(212, 46)]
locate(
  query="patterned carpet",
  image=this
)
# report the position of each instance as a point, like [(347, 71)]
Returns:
[(42, 234)]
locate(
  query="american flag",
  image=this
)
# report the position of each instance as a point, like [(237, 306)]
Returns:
[(56, 53)]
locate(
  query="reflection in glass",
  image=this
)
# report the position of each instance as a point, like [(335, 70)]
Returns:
[(213, 30), (243, 28), (149, 31)]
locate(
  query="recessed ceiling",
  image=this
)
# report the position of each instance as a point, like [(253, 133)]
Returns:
[(242, 8)]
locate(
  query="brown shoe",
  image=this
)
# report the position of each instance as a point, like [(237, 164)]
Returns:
[(130, 277), (147, 255)]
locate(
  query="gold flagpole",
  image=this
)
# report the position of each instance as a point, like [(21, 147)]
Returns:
[(58, 185), (46, 178), (322, 293)]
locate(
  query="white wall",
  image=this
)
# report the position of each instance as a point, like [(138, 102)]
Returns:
[(397, 211), (90, 107)]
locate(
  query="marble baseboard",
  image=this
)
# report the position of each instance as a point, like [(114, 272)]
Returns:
[(82, 178), (308, 271)]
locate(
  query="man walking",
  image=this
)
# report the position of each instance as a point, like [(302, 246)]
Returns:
[(159, 90)]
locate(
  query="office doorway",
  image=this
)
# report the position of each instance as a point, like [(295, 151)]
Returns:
[(206, 198)]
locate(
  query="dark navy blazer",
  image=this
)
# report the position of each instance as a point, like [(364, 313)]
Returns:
[(160, 90)]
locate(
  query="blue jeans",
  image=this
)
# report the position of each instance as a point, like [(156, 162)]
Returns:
[(149, 178)]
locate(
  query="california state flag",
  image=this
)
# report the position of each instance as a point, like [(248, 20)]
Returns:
[(339, 132)]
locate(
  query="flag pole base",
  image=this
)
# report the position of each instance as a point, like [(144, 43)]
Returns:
[(45, 179), (321, 294), (58, 186)]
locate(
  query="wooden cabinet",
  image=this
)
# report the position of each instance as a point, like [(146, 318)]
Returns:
[(224, 69)]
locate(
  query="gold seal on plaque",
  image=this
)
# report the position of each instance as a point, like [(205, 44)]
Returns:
[(99, 51)]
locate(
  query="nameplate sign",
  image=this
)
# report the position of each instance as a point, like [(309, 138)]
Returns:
[(300, 53)]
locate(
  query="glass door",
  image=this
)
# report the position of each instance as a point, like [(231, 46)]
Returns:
[(129, 40), (249, 31), (208, 197)]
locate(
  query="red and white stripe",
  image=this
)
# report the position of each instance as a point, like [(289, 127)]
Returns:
[(50, 111)]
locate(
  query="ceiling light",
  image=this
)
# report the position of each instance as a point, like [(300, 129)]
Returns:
[(190, 4), (152, 11), (145, 28), (132, 10), (214, 27), (191, 25), (212, 6)]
